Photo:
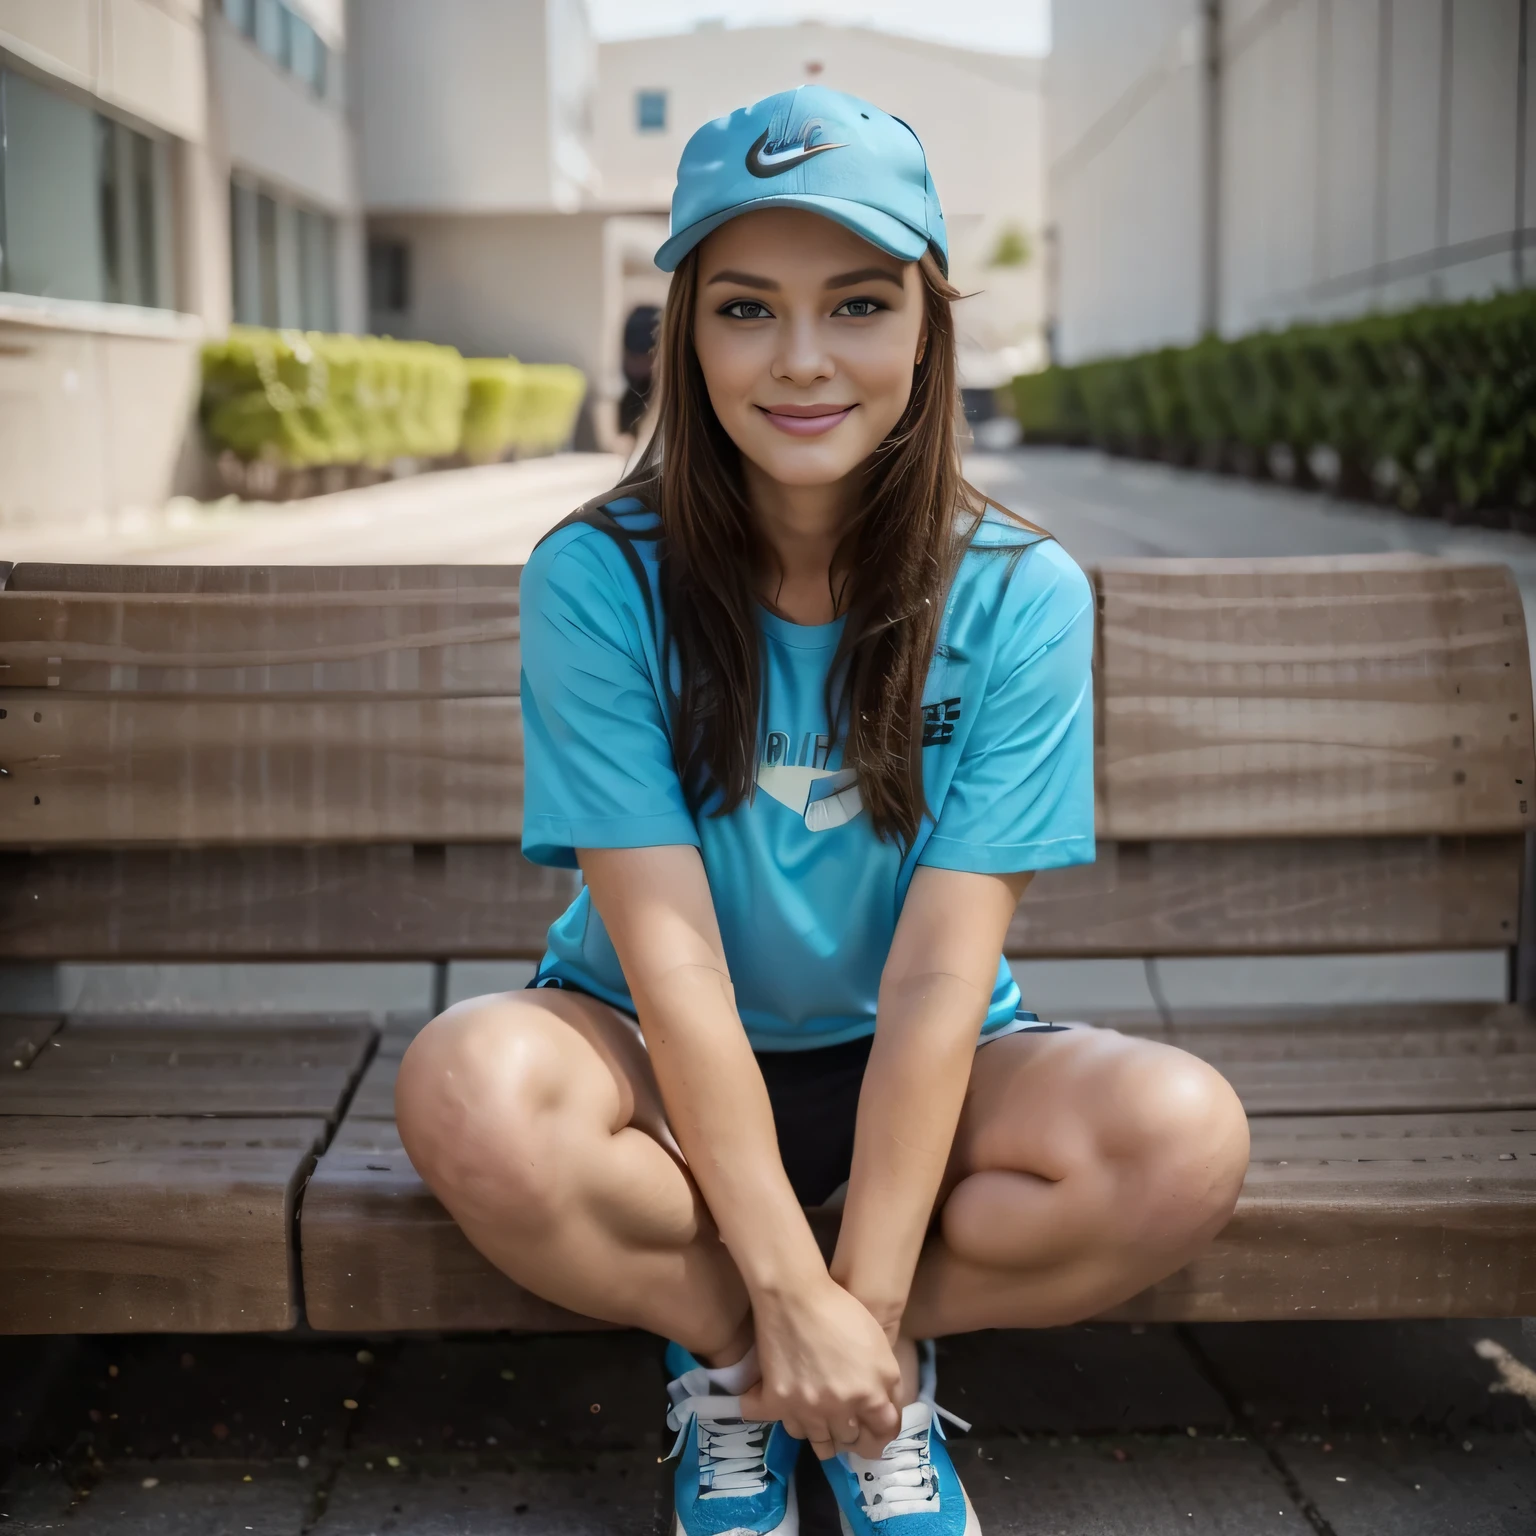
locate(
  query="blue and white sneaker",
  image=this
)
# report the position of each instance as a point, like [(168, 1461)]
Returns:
[(913, 1489), (735, 1476)]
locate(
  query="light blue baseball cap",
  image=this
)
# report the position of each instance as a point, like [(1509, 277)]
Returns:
[(816, 149)]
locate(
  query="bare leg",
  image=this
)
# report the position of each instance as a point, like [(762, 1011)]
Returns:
[(535, 1118), (1087, 1165)]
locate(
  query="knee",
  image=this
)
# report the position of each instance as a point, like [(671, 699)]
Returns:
[(477, 1102), (1181, 1127)]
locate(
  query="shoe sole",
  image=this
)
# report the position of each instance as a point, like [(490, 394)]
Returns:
[(788, 1526), (972, 1524)]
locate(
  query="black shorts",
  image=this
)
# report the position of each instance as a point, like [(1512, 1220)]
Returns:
[(815, 1099)]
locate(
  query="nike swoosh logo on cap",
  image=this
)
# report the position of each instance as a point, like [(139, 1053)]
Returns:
[(764, 164)]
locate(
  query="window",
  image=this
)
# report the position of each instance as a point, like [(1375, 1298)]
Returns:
[(651, 111), (85, 202), (242, 15), (389, 277), (283, 262), (272, 19), (306, 54), (285, 37)]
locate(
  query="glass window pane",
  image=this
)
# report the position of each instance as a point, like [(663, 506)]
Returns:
[(389, 277), (272, 30), (245, 254), (110, 187), (306, 53), (267, 312), (52, 190), (317, 266), (651, 111), (242, 14)]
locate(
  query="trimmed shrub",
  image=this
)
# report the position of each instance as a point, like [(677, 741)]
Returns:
[(522, 408), (1433, 409), (301, 400)]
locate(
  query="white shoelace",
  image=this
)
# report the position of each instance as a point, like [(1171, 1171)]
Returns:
[(732, 1450), (903, 1480)]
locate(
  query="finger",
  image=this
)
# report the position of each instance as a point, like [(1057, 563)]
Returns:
[(870, 1445), (825, 1449), (848, 1432), (752, 1406), (792, 1427)]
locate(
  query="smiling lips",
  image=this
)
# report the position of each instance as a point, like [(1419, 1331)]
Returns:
[(806, 420)]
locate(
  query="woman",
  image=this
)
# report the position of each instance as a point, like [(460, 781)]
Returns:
[(808, 712)]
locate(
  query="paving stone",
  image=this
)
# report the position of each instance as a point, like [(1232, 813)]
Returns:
[(1077, 1381), (1166, 1484), (187, 1498), (1370, 1375), (611, 1494), (584, 1391), (1401, 1485), (215, 1395)]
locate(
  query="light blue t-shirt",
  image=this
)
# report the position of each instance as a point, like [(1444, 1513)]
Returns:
[(806, 894)]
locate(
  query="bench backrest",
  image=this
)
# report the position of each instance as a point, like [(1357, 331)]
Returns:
[(1293, 755)]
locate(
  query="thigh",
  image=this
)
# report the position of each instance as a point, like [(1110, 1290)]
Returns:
[(1044, 1103), (512, 1046)]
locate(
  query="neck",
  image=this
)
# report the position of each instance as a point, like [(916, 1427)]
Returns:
[(802, 526)]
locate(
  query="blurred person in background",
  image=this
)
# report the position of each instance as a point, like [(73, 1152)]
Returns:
[(639, 365), (808, 711)]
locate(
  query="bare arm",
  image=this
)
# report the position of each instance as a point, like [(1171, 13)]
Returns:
[(823, 1356), (934, 993)]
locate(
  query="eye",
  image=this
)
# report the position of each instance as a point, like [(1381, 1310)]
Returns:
[(859, 309), (746, 309)]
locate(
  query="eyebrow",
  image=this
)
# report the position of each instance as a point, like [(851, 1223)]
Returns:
[(865, 275), (743, 280)]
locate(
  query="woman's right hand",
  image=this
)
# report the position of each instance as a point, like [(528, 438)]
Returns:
[(829, 1374)]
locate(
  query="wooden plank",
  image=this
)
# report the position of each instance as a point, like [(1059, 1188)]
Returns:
[(487, 901), (49, 576), (264, 1070), (1374, 1216), (150, 1225), (426, 901), (380, 1252), (442, 644), (22, 1036), (86, 770), (1313, 697), (375, 1096), (1276, 896), (1430, 1215)]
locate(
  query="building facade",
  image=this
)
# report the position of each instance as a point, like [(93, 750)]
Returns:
[(167, 166), (1228, 165)]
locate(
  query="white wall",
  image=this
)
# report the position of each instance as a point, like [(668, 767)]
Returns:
[(472, 105), (1367, 149), (980, 117)]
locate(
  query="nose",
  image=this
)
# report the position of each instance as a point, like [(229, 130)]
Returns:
[(801, 357)]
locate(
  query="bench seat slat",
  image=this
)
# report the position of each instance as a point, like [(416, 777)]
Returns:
[(22, 1036), (261, 1070), (150, 1225)]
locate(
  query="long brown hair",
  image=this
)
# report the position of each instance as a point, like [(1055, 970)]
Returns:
[(891, 574)]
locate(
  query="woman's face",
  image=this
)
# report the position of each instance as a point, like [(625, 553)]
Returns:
[(807, 336)]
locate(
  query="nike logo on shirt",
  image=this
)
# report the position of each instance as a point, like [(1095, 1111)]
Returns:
[(763, 162)]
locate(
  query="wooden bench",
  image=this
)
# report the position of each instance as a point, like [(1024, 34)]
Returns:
[(1297, 757)]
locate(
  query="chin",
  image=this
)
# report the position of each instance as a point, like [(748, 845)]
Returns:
[(808, 462)]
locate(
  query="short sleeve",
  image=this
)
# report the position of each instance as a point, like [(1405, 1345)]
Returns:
[(1021, 796), (597, 755)]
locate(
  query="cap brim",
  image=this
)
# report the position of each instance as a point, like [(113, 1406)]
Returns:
[(880, 229)]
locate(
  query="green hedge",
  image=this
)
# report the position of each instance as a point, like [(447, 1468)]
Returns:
[(1433, 409), (302, 400), (527, 408)]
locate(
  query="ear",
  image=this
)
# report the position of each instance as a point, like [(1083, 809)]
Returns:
[(922, 346)]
